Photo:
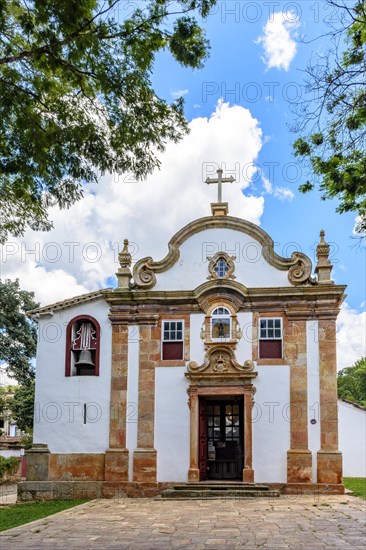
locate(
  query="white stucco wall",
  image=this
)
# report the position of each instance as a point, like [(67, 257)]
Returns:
[(171, 424), (59, 399), (191, 270), (312, 346), (197, 348), (244, 347), (271, 425), (132, 393), (352, 439)]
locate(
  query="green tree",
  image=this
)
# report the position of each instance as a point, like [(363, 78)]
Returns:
[(352, 382), (77, 98), (336, 115), (22, 406), (18, 334)]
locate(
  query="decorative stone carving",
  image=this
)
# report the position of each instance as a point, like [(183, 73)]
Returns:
[(219, 363), (300, 270), (214, 261), (299, 265)]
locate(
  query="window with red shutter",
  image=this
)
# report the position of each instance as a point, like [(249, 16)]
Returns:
[(270, 338), (172, 340)]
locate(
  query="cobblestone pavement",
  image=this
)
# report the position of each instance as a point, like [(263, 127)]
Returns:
[(288, 522)]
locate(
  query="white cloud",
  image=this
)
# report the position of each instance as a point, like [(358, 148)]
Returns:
[(278, 43), (351, 336), (281, 193), (79, 254), (176, 94)]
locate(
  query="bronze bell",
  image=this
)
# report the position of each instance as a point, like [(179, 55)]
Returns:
[(85, 359)]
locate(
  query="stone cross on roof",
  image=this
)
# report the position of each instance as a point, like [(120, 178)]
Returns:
[(220, 180)]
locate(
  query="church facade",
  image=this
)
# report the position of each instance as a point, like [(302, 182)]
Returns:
[(217, 362)]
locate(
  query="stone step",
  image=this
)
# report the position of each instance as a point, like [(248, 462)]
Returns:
[(221, 486), (216, 490), (211, 495)]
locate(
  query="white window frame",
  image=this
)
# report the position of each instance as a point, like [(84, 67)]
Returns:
[(170, 340), (221, 316), (274, 328)]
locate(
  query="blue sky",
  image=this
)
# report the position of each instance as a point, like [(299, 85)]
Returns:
[(239, 117), (237, 71)]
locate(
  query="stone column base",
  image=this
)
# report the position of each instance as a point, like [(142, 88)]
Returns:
[(38, 462), (329, 466), (116, 465), (248, 475), (144, 465), (193, 474), (299, 466)]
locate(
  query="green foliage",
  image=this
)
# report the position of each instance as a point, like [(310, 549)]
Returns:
[(336, 148), (77, 99), (18, 335), (352, 383), (27, 438), (19, 514), (8, 466), (22, 406), (357, 485)]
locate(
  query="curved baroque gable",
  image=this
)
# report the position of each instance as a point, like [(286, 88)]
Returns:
[(299, 265)]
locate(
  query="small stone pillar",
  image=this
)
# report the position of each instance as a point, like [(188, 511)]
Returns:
[(124, 274), (324, 266), (37, 462)]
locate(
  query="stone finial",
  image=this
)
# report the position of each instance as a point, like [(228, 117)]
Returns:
[(324, 266), (124, 257), (124, 274)]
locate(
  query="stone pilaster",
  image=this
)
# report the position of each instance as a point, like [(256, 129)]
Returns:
[(329, 459), (248, 472), (193, 473), (116, 459), (144, 458), (299, 458)]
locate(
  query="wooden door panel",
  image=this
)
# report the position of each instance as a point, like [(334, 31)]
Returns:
[(202, 439), (224, 436)]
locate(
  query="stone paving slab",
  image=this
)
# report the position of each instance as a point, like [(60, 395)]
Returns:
[(290, 522)]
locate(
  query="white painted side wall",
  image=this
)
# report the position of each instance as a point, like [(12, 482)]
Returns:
[(352, 439), (271, 426), (312, 347), (197, 349), (191, 270), (172, 424), (59, 400), (132, 393), (244, 347)]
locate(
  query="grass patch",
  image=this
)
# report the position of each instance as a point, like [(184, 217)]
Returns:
[(18, 514), (357, 485)]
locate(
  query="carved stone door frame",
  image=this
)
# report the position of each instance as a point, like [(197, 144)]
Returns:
[(195, 391)]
